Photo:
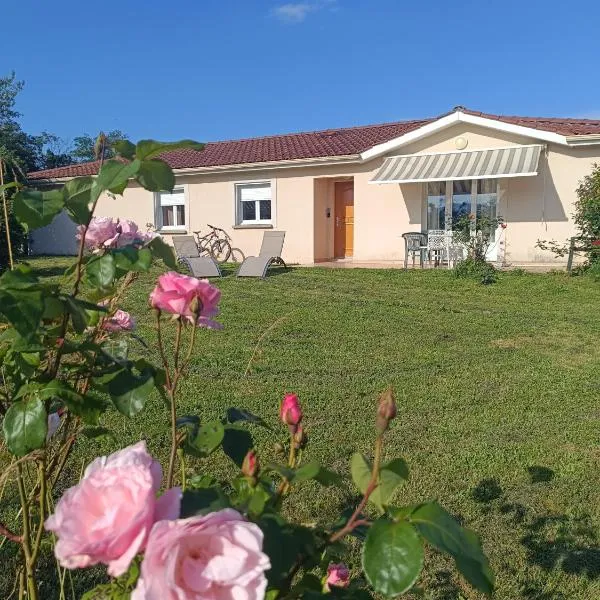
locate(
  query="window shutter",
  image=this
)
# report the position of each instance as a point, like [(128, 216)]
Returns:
[(255, 192)]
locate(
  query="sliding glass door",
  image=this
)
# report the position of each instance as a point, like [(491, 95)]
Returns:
[(451, 202)]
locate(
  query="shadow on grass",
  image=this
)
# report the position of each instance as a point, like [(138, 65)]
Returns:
[(552, 542)]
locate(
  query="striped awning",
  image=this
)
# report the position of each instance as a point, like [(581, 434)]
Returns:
[(516, 161)]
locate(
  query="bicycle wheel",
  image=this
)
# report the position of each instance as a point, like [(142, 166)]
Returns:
[(220, 250), (236, 256)]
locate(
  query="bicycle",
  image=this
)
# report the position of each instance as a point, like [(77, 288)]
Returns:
[(217, 244)]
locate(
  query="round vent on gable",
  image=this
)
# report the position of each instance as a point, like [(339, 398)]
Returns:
[(461, 142)]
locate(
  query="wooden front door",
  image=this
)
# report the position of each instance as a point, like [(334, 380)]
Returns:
[(344, 219)]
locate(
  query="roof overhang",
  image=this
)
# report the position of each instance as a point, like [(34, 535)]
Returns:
[(326, 161), (461, 117)]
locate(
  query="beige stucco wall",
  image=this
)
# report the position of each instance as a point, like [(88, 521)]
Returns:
[(534, 207)]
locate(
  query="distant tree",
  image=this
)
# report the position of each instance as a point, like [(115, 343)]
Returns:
[(83, 146)]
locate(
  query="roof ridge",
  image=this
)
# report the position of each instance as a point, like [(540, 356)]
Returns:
[(527, 118)]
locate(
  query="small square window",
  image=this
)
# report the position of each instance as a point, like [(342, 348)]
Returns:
[(171, 209), (253, 203)]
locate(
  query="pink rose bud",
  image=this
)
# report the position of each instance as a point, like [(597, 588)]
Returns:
[(194, 300), (386, 411), (250, 464), (107, 517), (214, 557), (338, 575), (290, 412), (120, 321)]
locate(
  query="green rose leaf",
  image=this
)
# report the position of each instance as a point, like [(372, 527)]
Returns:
[(100, 272), (7, 186), (207, 439), (78, 196), (443, 532), (25, 426), (34, 208), (392, 557), (124, 148), (235, 415), (313, 470), (132, 259), (129, 391), (147, 149), (156, 175), (21, 300), (391, 475), (113, 176), (79, 316), (23, 310), (164, 252)]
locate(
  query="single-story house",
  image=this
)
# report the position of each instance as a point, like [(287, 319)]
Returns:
[(352, 192)]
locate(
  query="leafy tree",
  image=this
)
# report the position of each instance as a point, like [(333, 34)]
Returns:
[(84, 149)]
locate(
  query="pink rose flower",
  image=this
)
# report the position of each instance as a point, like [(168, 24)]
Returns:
[(101, 233), (129, 234), (120, 321), (290, 412), (190, 298), (107, 517), (214, 557), (338, 575)]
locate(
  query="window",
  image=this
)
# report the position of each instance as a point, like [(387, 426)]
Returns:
[(436, 205), (253, 203), (171, 209)]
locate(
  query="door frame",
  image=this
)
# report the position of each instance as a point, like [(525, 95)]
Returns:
[(493, 252), (350, 183)]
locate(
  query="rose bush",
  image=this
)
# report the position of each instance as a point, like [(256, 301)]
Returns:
[(67, 359)]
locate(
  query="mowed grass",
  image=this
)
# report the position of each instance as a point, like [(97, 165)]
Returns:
[(497, 389)]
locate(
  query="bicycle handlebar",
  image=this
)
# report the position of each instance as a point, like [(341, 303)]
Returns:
[(218, 229)]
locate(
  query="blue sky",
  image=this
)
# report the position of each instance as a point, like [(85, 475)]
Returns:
[(211, 70)]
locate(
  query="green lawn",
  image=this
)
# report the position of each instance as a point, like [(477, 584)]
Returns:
[(497, 388)]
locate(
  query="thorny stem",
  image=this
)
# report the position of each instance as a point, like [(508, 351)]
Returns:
[(354, 520), (6, 223), (43, 491), (177, 344), (26, 543), (171, 391), (161, 349), (182, 467), (285, 484), (174, 443)]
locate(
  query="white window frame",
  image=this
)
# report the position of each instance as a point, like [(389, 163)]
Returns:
[(158, 210), (239, 220)]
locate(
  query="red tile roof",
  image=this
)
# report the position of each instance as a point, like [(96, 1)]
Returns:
[(319, 144)]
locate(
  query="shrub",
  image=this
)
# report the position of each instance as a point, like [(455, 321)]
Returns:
[(475, 268)]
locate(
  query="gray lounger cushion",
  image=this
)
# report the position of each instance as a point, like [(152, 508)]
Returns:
[(203, 266), (185, 246)]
